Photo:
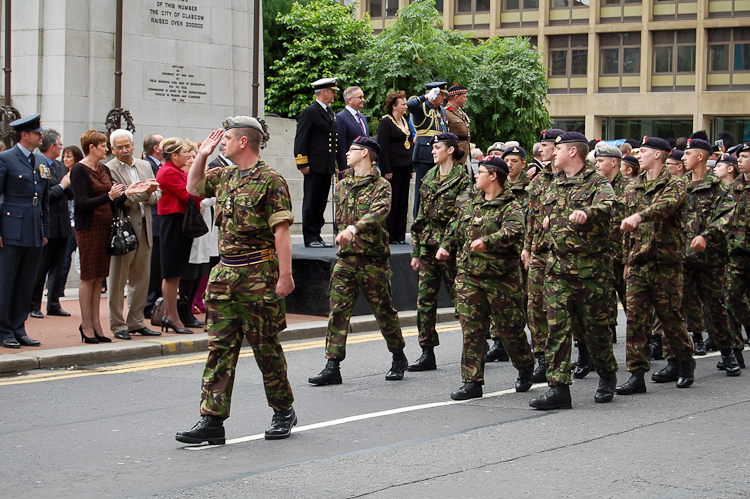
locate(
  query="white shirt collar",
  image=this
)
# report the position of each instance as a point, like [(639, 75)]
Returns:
[(351, 110), (25, 151), (325, 106)]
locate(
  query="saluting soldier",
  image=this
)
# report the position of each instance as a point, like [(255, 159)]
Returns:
[(363, 200), (315, 154), (428, 118), (246, 290), (486, 235), (444, 189), (459, 122), (24, 227)]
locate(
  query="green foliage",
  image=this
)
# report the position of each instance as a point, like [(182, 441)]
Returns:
[(315, 37), (273, 48)]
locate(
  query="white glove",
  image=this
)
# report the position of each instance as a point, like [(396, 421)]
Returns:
[(208, 202), (432, 94)]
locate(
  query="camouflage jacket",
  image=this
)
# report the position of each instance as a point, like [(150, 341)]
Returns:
[(579, 249), (619, 213), (536, 240), (498, 223), (738, 243), (247, 206), (520, 192), (659, 237), (365, 204), (708, 208), (439, 202)]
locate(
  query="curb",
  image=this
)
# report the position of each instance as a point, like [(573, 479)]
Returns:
[(195, 343)]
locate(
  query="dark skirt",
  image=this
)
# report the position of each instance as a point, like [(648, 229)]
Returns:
[(175, 247)]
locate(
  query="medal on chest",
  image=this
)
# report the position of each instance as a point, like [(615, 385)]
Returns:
[(44, 172)]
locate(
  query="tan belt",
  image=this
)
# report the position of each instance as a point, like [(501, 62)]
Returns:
[(427, 133)]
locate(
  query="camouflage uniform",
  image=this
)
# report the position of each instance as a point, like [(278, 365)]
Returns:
[(460, 124), (653, 255), (619, 212), (537, 243), (242, 300), (708, 208), (738, 270), (579, 272), (488, 285), (362, 263), (440, 200)]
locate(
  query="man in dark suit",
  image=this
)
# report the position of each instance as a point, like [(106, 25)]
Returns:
[(220, 161), (315, 153), (24, 227), (152, 154), (351, 123), (53, 254)]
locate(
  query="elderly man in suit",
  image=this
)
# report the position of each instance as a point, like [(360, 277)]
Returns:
[(24, 227), (152, 154), (351, 123), (315, 146), (128, 269), (53, 254)]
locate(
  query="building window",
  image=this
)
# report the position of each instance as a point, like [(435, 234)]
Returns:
[(619, 62), (568, 56), (738, 126), (626, 128), (519, 13), (620, 11), (570, 124), (666, 10), (463, 6), (472, 14), (382, 8), (728, 8), (520, 4), (728, 59), (674, 61), (568, 12)]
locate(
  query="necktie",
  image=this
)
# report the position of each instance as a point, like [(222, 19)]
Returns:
[(361, 124), (330, 113), (31, 160)]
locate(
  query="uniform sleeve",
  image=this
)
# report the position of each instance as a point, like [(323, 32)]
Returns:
[(510, 233), (628, 198), (670, 200), (450, 239), (384, 140), (600, 210), (206, 186), (301, 139), (379, 208), (278, 202), (715, 233), (417, 231)]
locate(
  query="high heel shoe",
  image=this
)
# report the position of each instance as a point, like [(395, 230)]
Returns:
[(102, 339), (84, 338), (167, 324)]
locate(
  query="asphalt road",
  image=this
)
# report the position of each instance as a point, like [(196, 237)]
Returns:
[(108, 431)]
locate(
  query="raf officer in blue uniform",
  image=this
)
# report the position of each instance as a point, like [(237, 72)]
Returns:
[(428, 118), (24, 227)]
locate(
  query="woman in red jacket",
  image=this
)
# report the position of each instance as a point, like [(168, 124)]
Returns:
[(175, 246)]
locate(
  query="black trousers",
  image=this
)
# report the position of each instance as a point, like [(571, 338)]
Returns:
[(50, 269), (420, 170), (316, 189), (154, 284), (395, 224), (18, 266)]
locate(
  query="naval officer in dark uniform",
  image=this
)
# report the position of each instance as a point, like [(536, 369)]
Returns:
[(428, 118), (24, 227), (315, 154)]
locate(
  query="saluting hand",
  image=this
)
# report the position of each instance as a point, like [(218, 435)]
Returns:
[(214, 138)]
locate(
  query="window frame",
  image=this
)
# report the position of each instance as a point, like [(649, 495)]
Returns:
[(732, 45), (675, 47), (568, 61)]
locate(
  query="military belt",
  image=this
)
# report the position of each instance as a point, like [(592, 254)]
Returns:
[(427, 133), (265, 255)]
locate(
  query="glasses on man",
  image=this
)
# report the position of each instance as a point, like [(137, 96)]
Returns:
[(480, 171), (120, 148)]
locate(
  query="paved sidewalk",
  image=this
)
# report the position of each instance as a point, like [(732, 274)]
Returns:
[(62, 346)]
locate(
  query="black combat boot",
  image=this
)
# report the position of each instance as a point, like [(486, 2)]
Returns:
[(524, 381), (687, 373), (426, 362), (584, 364), (281, 424), (655, 351), (606, 391), (557, 397), (731, 366), (613, 330), (209, 429), (398, 366), (540, 373), (330, 375), (669, 374), (471, 390), (634, 385), (497, 353), (698, 346), (710, 344), (740, 357)]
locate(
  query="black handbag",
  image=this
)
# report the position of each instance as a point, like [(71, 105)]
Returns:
[(193, 224), (122, 238)]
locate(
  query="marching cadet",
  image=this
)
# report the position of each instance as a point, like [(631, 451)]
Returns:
[(363, 200), (486, 236), (738, 245), (726, 168), (629, 166), (459, 122), (428, 118), (535, 248), (444, 188), (245, 295), (652, 255), (608, 159), (578, 280), (709, 206), (675, 163)]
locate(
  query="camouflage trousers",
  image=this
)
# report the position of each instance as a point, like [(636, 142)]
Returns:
[(654, 286), (494, 328), (703, 305), (573, 302), (373, 277), (618, 289), (536, 310), (241, 305), (431, 273), (498, 298), (738, 294)]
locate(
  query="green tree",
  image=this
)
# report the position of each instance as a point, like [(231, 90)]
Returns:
[(315, 37), (273, 48)]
